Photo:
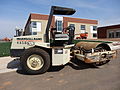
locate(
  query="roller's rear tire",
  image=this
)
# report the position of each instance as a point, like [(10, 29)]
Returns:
[(35, 61)]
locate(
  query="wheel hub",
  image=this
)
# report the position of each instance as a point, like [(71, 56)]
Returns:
[(35, 62)]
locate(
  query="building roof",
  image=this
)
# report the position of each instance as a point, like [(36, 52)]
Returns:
[(109, 27), (38, 16), (79, 20), (69, 19)]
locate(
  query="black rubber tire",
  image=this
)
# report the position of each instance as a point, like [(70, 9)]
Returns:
[(45, 56), (85, 37)]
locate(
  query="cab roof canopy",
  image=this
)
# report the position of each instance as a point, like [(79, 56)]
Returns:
[(56, 10), (62, 10)]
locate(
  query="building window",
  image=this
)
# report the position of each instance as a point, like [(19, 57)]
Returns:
[(82, 27), (34, 24), (73, 25), (34, 33), (111, 34), (94, 35), (94, 28), (117, 34), (59, 26)]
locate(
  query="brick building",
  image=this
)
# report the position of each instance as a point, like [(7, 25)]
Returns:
[(112, 31), (37, 24)]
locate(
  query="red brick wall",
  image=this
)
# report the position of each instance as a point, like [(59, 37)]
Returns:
[(78, 20), (40, 17), (65, 20), (102, 32)]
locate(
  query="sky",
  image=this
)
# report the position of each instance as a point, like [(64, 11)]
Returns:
[(15, 12)]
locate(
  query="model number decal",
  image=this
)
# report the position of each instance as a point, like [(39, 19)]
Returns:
[(28, 41), (29, 38)]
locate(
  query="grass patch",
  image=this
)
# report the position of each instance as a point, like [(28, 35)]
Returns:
[(5, 48), (76, 41)]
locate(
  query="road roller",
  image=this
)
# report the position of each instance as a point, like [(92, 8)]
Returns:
[(51, 48)]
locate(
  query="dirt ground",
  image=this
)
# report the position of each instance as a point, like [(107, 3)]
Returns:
[(74, 76)]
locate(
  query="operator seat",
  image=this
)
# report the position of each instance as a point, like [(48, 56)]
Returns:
[(71, 34), (60, 38), (53, 31)]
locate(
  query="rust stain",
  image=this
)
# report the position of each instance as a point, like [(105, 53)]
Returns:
[(87, 45), (88, 60), (114, 56), (7, 83)]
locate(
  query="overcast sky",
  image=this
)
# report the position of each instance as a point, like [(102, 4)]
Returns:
[(15, 12)]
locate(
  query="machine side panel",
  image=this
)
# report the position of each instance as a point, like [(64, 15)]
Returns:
[(60, 56), (19, 44), (25, 42)]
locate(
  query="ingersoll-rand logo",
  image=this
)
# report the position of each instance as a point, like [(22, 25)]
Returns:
[(28, 41)]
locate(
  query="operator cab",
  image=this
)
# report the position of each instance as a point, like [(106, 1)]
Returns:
[(62, 38), (59, 38)]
